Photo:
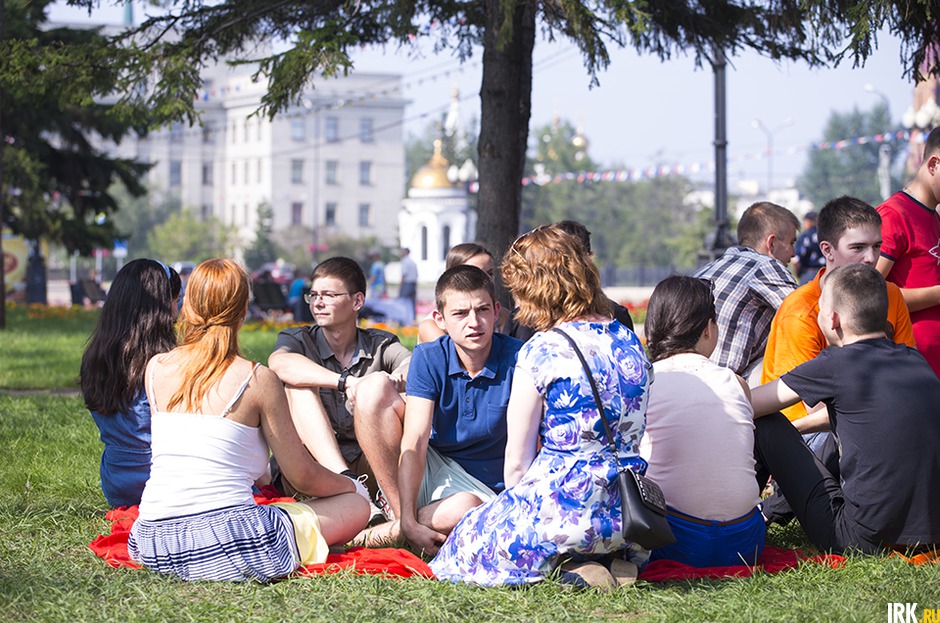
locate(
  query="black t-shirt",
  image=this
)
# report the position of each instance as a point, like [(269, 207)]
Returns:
[(884, 407)]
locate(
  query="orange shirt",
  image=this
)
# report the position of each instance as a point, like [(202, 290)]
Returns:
[(795, 336)]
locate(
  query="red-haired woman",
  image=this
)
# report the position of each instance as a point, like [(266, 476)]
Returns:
[(215, 417)]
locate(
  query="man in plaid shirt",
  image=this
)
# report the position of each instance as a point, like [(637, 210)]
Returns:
[(750, 281)]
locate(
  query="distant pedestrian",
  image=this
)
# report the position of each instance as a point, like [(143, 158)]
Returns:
[(376, 276), (809, 259), (409, 279)]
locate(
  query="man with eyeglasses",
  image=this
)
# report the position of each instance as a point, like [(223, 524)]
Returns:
[(337, 374)]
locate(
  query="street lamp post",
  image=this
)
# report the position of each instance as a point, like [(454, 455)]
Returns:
[(717, 241), (884, 152), (757, 123)]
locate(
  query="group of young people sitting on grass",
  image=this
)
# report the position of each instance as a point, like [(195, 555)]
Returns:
[(488, 452)]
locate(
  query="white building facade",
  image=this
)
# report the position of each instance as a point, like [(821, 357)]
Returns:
[(335, 163)]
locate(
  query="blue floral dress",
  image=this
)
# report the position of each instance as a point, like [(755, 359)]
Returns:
[(567, 504)]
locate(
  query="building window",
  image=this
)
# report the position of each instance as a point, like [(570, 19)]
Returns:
[(365, 215), (296, 213), (365, 173), (246, 130), (330, 217), (206, 211), (176, 132), (366, 130), (234, 178), (332, 166), (176, 172), (331, 130), (207, 135), (424, 243), (259, 170), (207, 174), (259, 129), (245, 216), (297, 171), (245, 177), (445, 241), (298, 129)]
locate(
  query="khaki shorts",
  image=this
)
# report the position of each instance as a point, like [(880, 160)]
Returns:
[(443, 477)]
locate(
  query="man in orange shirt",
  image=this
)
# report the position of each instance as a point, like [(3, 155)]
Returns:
[(849, 232)]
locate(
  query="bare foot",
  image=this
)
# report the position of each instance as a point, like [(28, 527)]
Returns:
[(383, 535)]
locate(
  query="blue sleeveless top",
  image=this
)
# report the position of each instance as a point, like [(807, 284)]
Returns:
[(125, 462)]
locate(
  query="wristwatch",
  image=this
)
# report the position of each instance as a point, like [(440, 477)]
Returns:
[(341, 383)]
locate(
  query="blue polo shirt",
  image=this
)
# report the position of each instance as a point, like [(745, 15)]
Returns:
[(469, 423)]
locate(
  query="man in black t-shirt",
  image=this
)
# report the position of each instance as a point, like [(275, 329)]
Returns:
[(882, 399)]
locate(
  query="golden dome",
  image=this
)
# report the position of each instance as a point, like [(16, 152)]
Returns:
[(434, 173)]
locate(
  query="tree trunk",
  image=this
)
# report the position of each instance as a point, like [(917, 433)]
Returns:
[(506, 105)]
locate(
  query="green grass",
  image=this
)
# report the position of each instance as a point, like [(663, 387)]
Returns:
[(44, 351), (51, 507)]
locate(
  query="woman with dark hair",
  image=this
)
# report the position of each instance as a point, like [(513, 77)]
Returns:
[(472, 254), (561, 501), (216, 419), (699, 439), (136, 323)]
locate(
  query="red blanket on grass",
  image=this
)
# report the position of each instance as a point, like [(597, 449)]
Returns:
[(402, 563), (388, 561), (772, 560), (398, 562)]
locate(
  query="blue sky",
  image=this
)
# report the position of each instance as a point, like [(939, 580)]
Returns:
[(646, 112)]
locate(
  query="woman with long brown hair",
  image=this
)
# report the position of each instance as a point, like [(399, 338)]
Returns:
[(136, 323), (215, 416), (561, 500)]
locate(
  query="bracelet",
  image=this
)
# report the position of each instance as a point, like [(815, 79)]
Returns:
[(341, 383)]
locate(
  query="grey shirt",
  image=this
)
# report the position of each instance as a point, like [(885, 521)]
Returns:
[(377, 351)]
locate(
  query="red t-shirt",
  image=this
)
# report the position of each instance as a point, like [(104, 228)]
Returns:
[(911, 233)]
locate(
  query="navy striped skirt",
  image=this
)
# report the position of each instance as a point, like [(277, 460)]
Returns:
[(238, 543)]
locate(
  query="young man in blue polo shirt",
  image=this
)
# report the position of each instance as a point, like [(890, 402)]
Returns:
[(453, 435)]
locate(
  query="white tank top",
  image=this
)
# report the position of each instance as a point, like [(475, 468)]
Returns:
[(699, 439), (202, 462)]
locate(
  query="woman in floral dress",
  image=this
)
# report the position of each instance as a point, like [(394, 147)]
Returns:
[(561, 500)]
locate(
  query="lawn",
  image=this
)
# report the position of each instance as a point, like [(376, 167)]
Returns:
[(51, 507)]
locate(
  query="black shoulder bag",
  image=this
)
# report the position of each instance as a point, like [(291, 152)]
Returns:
[(642, 504)]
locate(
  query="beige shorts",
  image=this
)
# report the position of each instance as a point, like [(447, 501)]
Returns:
[(443, 477)]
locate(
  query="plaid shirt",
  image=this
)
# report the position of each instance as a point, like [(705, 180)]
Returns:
[(749, 288)]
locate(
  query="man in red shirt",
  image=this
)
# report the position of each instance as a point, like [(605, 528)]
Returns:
[(910, 254)]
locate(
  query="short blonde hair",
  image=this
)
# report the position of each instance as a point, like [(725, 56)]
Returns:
[(552, 279)]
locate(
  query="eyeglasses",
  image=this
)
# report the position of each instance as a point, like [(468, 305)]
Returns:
[(328, 297)]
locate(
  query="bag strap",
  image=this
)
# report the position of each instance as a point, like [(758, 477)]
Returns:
[(597, 395)]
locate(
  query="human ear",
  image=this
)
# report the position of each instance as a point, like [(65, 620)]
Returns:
[(932, 163), (769, 242), (826, 247), (438, 320)]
